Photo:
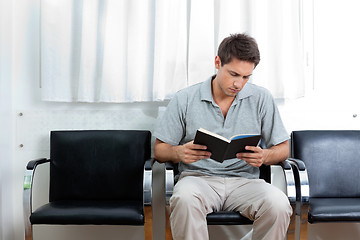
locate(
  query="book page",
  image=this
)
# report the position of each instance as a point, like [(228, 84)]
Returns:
[(214, 135), (242, 136)]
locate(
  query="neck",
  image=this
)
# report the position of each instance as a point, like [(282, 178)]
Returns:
[(221, 99), (218, 94)]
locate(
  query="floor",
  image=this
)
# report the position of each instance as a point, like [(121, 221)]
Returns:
[(148, 227)]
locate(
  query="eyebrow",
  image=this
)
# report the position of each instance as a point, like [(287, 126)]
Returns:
[(237, 74)]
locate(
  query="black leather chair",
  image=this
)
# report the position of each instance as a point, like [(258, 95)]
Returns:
[(97, 177), (327, 176), (232, 217)]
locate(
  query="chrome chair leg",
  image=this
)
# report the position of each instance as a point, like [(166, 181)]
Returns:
[(28, 232), (28, 177)]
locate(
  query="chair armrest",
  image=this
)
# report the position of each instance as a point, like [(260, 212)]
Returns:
[(302, 193), (289, 179), (30, 171), (285, 165), (300, 164), (33, 163), (148, 181), (169, 180), (27, 194), (301, 180), (169, 166), (148, 164)]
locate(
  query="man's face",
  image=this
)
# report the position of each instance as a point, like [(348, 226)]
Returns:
[(233, 76)]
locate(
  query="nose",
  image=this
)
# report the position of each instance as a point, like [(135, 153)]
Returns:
[(237, 83)]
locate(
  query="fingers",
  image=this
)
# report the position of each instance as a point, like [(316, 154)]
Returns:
[(254, 158), (195, 155), (194, 152)]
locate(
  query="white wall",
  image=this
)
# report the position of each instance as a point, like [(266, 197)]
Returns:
[(330, 105), (333, 97), (6, 123), (26, 121)]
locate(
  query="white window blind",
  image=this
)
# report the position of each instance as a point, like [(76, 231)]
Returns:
[(136, 50)]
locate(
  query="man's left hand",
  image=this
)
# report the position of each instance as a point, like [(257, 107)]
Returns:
[(254, 158)]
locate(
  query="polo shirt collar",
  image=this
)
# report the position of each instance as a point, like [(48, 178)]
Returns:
[(206, 94), (205, 90)]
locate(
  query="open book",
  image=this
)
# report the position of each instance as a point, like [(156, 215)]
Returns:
[(222, 148)]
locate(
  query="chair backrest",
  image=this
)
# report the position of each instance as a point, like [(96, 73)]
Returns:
[(332, 159), (97, 165)]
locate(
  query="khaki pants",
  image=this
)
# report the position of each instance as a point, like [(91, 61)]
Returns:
[(196, 196)]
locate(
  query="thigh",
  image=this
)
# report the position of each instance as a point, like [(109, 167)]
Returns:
[(205, 190), (249, 195)]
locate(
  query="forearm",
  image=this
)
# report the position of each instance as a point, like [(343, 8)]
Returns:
[(164, 152), (187, 153), (276, 154)]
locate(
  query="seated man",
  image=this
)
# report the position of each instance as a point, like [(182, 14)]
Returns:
[(227, 105)]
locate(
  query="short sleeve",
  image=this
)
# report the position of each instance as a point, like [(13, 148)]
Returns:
[(170, 127), (272, 127)]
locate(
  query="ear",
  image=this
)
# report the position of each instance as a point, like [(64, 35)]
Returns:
[(217, 62)]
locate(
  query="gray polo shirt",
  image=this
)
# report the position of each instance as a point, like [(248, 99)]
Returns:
[(252, 112)]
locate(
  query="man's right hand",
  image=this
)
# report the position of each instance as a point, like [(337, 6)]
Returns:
[(187, 153), (190, 152)]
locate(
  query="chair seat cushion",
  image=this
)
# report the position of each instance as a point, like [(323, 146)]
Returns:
[(227, 218), (89, 212), (334, 210)]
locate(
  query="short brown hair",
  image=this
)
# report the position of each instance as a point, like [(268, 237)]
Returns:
[(239, 46)]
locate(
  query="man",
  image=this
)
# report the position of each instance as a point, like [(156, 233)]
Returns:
[(227, 105)]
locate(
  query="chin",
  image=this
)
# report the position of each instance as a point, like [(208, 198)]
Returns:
[(231, 94)]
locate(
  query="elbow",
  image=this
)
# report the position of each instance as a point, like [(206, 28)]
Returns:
[(286, 151), (157, 156), (158, 151)]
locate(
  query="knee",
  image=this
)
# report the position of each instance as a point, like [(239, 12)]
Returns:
[(278, 205), (185, 199)]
